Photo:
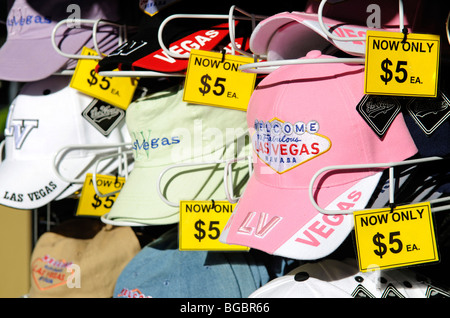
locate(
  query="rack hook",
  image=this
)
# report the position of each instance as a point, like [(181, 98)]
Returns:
[(223, 55), (405, 33)]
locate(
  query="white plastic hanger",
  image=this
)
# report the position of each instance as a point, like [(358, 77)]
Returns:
[(231, 26), (121, 39), (119, 147), (337, 38), (139, 74), (231, 17), (123, 170), (95, 24), (227, 184), (389, 165), (228, 181), (266, 67)]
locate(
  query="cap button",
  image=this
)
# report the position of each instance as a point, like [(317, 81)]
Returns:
[(313, 54)]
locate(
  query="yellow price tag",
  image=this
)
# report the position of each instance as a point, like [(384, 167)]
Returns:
[(90, 204), (403, 237), (201, 223), (117, 91), (397, 67), (214, 79)]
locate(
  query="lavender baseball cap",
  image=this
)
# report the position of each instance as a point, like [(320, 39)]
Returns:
[(28, 54)]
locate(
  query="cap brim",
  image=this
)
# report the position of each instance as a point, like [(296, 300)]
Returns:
[(308, 34), (283, 222), (38, 184), (139, 200), (31, 184)]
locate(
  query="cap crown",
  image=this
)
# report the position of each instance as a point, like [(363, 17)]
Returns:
[(303, 118)]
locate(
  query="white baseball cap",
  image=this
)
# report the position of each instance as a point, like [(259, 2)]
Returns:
[(330, 278), (44, 118)]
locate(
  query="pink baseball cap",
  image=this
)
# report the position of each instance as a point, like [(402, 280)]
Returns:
[(293, 34), (369, 12), (28, 54), (303, 118), (288, 35)]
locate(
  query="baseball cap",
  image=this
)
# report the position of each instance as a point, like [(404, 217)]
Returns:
[(288, 35), (161, 270), (331, 278), (171, 136), (301, 119), (81, 257), (44, 118), (143, 51), (28, 53), (379, 13)]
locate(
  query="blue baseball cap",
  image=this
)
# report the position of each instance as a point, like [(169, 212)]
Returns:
[(161, 270)]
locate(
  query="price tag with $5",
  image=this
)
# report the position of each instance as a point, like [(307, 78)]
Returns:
[(215, 79), (404, 65), (90, 204), (401, 237), (201, 223), (116, 91)]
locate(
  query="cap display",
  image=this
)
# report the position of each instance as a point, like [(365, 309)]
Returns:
[(193, 201), (165, 131), (81, 258), (161, 270), (28, 54), (303, 118), (44, 118), (341, 279)]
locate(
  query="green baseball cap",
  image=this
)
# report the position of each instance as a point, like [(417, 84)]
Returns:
[(181, 151)]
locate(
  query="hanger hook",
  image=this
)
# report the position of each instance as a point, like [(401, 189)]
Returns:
[(405, 33), (390, 165)]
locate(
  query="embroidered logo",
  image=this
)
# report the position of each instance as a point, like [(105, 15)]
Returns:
[(132, 293), (20, 129), (19, 21), (284, 145), (47, 272), (143, 143)]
